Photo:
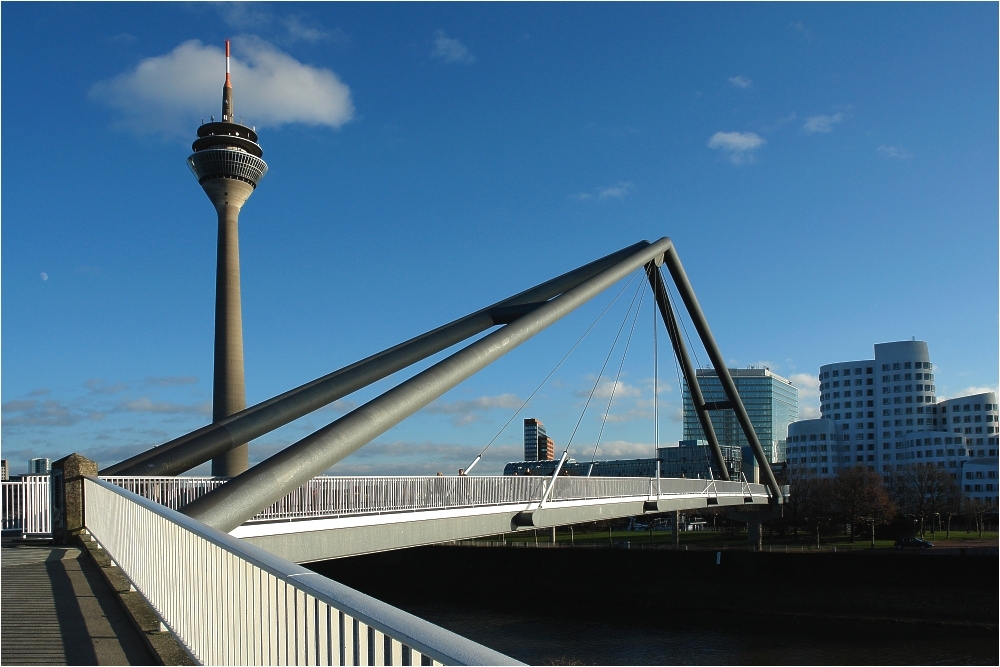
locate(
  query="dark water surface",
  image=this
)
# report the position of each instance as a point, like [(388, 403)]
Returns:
[(540, 638)]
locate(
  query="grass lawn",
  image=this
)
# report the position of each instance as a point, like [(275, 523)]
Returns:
[(709, 539)]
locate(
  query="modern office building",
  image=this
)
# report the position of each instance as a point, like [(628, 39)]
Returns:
[(771, 401), (39, 467), (689, 458), (812, 446), (693, 459), (873, 401), (4, 470), (227, 163), (537, 445), (883, 413)]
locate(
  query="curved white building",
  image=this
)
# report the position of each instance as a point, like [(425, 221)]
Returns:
[(883, 413)]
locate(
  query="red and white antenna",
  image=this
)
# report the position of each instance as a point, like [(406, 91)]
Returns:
[(228, 85)]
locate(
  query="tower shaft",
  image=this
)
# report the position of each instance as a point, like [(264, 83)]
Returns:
[(229, 386), (227, 163)]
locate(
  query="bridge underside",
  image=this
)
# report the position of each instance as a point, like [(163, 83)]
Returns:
[(309, 540)]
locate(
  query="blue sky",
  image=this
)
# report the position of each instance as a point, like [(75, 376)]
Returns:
[(827, 172)]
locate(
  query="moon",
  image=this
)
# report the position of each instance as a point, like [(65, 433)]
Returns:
[(45, 276)]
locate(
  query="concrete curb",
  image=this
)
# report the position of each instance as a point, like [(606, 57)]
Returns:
[(165, 648)]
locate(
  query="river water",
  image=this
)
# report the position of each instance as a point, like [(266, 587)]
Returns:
[(540, 638)]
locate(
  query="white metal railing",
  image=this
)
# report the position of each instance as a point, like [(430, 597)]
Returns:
[(27, 505), (229, 602), (347, 496)]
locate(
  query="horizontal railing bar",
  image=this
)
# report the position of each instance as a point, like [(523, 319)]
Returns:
[(336, 496)]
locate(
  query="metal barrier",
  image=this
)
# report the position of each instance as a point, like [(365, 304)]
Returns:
[(229, 602), (347, 496), (27, 505)]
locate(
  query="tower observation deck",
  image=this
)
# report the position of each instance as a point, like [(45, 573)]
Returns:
[(227, 161)]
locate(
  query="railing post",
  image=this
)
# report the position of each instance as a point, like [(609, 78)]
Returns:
[(67, 496)]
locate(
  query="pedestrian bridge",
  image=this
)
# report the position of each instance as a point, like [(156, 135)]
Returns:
[(218, 559), (331, 517)]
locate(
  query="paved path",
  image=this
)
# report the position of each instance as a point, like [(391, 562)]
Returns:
[(58, 610)]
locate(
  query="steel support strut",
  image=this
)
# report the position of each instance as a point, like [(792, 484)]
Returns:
[(242, 497), (688, 370), (680, 278), (193, 449)]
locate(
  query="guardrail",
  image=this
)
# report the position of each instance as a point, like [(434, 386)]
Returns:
[(346, 496), (27, 505), (229, 602)]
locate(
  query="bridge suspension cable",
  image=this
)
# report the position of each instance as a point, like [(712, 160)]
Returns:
[(552, 372), (614, 388)]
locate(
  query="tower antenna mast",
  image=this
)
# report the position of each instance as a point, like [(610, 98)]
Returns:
[(227, 161)]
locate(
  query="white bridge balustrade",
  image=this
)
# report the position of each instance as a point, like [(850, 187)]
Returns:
[(331, 517), (27, 505), (229, 602)]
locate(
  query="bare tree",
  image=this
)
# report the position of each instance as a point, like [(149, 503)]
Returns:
[(807, 502), (926, 491), (858, 495)]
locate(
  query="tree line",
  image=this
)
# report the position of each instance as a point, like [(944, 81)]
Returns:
[(858, 500)]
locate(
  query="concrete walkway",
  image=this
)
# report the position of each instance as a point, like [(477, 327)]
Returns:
[(58, 610)]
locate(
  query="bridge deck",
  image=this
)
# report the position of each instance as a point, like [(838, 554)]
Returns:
[(331, 517), (58, 610)]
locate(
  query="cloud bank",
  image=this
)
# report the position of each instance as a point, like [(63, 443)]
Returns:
[(168, 94)]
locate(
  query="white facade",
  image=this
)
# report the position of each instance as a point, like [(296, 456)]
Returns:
[(813, 447), (883, 413)]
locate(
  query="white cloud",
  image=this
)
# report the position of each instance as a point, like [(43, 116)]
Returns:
[(970, 391), (821, 123), (168, 94), (740, 81), (144, 404), (738, 146), (467, 411), (615, 191), (605, 388), (896, 152), (622, 449), (450, 50), (32, 412), (310, 31), (629, 416), (808, 386)]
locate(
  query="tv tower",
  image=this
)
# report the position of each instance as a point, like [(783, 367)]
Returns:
[(227, 163)]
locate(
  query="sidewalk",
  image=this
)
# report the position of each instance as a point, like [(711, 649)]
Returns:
[(58, 610)]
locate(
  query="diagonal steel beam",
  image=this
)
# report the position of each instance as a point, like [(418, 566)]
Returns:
[(193, 449), (242, 497), (673, 263), (687, 368)]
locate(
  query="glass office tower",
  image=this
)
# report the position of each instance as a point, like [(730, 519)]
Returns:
[(771, 401)]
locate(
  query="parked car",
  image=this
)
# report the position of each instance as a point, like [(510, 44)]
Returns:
[(913, 543)]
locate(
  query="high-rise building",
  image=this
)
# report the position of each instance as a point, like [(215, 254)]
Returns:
[(771, 401), (547, 450), (883, 413), (227, 163), (534, 440), (4, 470), (873, 401), (39, 467)]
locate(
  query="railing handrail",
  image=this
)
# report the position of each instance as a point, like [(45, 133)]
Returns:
[(429, 639), (333, 496)]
